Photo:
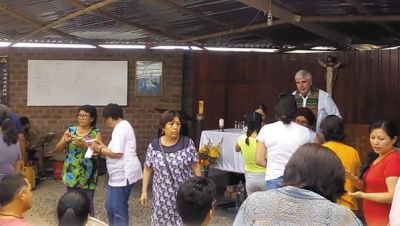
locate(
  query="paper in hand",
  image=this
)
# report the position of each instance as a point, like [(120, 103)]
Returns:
[(89, 153)]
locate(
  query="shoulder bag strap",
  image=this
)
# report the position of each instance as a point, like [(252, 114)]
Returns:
[(166, 161)]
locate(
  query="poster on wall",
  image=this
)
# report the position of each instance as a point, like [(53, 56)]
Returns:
[(4, 80), (149, 78)]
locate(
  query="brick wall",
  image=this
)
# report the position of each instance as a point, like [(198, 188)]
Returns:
[(139, 112)]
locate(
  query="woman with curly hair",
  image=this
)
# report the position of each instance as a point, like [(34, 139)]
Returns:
[(79, 172)]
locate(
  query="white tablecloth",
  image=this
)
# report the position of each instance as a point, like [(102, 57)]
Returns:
[(229, 160)]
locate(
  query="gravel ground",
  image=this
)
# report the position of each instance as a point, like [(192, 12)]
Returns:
[(47, 194)]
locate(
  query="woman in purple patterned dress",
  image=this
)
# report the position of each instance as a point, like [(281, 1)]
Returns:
[(179, 163)]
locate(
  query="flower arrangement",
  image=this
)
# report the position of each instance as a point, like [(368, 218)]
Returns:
[(209, 154)]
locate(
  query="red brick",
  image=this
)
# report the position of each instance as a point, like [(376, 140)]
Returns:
[(140, 110)]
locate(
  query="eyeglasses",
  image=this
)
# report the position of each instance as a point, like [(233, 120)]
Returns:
[(83, 116)]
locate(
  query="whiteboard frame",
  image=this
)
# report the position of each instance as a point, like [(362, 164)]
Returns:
[(77, 82)]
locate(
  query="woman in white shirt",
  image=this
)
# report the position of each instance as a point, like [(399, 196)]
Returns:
[(123, 165), (279, 140)]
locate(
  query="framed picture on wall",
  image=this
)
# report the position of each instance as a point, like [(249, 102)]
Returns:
[(149, 78)]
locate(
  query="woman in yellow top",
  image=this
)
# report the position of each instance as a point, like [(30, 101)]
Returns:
[(332, 134), (254, 174)]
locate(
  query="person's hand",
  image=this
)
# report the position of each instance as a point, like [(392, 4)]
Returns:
[(67, 137), (19, 166), (79, 142), (143, 199), (359, 184), (96, 145), (357, 194)]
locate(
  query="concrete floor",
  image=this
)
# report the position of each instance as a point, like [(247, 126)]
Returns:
[(48, 192)]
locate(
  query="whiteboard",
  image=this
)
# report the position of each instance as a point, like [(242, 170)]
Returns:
[(75, 83)]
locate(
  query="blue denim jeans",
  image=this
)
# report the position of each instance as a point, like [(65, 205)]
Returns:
[(274, 183), (117, 205)]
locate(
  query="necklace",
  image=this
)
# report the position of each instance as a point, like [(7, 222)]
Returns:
[(11, 215)]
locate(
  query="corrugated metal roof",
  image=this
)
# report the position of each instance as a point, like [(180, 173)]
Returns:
[(204, 22)]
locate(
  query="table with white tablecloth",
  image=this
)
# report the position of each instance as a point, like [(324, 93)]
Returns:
[(229, 160)]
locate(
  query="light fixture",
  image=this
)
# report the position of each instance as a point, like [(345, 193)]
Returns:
[(269, 16), (307, 51), (52, 45), (323, 48), (5, 44), (227, 49), (171, 47), (365, 46), (393, 47), (195, 48), (108, 46)]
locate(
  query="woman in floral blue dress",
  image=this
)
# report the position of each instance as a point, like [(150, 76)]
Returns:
[(182, 163), (80, 172)]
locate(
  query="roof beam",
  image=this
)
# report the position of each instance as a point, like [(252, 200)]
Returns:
[(363, 10), (350, 19), (71, 16), (277, 11), (174, 5), (233, 31), (360, 8), (126, 22), (36, 23), (294, 19)]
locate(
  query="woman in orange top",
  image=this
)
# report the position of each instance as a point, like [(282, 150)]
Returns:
[(332, 133)]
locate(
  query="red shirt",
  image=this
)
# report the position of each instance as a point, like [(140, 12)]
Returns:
[(14, 222), (376, 213)]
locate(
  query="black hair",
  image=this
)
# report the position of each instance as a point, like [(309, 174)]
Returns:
[(113, 111), (308, 114), (254, 123), (332, 128), (263, 107), (10, 135), (168, 116), (195, 199), (9, 186), (73, 208), (390, 129), (286, 107), (91, 111), (327, 180), (24, 121)]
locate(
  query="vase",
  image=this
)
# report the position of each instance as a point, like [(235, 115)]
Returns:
[(204, 172)]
